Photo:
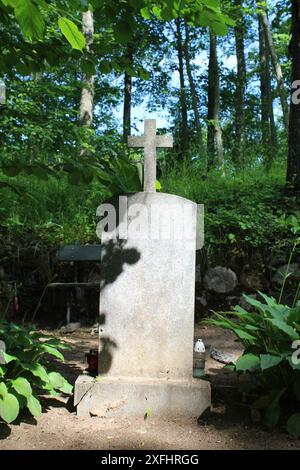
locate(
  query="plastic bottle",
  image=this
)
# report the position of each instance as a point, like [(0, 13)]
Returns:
[(198, 358)]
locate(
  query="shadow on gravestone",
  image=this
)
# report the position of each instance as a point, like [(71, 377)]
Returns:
[(114, 257), (105, 354)]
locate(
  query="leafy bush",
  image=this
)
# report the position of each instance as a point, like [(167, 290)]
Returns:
[(269, 334), (247, 211), (24, 370)]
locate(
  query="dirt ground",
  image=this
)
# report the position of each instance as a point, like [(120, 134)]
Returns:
[(227, 427)]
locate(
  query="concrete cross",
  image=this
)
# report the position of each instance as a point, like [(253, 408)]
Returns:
[(150, 142)]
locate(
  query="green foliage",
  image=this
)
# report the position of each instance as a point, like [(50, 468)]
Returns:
[(25, 371), (198, 12), (71, 33), (245, 211), (268, 334), (31, 14)]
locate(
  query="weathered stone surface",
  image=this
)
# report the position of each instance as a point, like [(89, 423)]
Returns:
[(293, 271), (136, 397), (150, 142), (147, 305), (220, 280)]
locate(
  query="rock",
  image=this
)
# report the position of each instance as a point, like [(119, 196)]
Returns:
[(70, 328), (220, 280), (223, 358), (293, 271), (251, 280)]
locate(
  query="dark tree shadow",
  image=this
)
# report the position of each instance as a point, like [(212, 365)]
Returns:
[(114, 256), (105, 354), (5, 431)]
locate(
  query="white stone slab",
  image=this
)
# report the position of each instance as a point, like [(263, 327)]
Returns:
[(134, 397), (147, 295)]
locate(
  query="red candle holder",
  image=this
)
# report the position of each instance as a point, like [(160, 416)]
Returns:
[(92, 360)]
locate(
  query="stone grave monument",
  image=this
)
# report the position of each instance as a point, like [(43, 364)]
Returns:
[(146, 326)]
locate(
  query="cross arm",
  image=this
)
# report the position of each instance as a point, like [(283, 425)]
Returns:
[(136, 142), (164, 141)]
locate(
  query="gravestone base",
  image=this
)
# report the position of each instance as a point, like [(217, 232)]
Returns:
[(134, 397)]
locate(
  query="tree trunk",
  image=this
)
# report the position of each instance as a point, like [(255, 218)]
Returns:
[(239, 151), (214, 137), (293, 166), (194, 96), (269, 98), (276, 66), (264, 78), (273, 129), (268, 127), (127, 102), (87, 90), (184, 138)]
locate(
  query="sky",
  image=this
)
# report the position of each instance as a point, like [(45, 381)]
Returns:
[(140, 112)]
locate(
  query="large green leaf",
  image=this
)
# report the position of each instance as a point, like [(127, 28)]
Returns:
[(38, 371), (72, 33), (3, 390), (34, 406), (287, 329), (268, 360), (9, 408), (67, 388), (219, 29), (247, 362), (255, 303), (8, 358), (244, 335), (53, 351), (56, 380), (293, 425), (22, 387), (294, 315), (30, 19)]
